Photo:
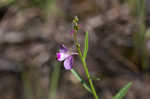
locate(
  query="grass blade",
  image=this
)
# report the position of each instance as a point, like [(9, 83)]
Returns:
[(54, 80)]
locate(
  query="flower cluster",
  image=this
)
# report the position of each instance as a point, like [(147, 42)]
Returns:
[(76, 25)]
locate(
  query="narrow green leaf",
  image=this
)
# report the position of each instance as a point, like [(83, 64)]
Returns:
[(123, 91), (86, 43), (85, 85)]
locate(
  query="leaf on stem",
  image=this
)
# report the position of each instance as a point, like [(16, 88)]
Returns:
[(86, 45), (85, 85), (123, 91)]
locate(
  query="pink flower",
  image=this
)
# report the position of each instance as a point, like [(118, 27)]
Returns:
[(66, 56), (72, 32)]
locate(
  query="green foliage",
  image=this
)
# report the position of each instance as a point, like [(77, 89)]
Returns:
[(86, 45), (4, 3), (123, 91)]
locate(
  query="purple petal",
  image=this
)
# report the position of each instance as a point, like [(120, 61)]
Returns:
[(68, 63), (62, 56), (72, 32), (58, 55), (74, 53), (63, 49)]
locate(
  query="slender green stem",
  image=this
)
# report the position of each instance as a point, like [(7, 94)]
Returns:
[(85, 67), (88, 76), (76, 28), (85, 85)]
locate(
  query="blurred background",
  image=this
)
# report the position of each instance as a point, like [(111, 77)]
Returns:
[(31, 32)]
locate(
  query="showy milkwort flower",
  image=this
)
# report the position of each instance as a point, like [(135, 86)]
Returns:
[(65, 55)]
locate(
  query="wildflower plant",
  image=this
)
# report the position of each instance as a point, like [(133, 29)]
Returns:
[(67, 56)]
